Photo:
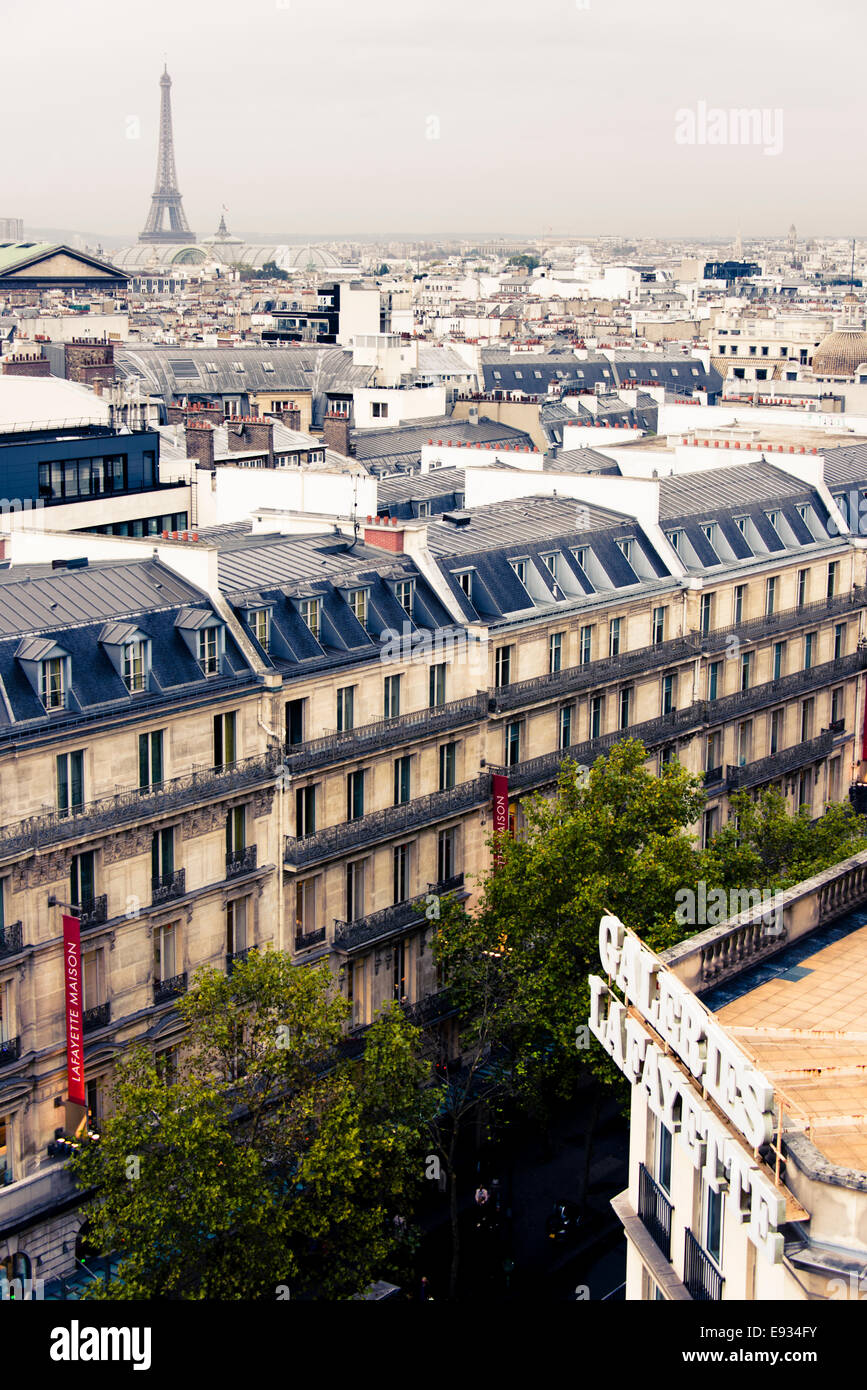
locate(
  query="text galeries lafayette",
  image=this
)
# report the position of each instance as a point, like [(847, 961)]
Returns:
[(742, 1093)]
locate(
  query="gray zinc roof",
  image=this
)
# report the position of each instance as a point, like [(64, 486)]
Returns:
[(735, 486), (524, 520), (66, 597)]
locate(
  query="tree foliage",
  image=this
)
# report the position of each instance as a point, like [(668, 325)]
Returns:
[(273, 1159)]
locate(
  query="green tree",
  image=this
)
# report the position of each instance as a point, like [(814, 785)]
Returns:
[(273, 1159), (525, 259), (766, 846)]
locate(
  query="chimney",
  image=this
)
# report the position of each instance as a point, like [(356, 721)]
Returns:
[(291, 418), (335, 433), (200, 444), (247, 435), (212, 412), (384, 534)]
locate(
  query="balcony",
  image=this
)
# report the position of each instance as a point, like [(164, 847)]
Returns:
[(430, 1010), (137, 804), (743, 702), (591, 674), (753, 629), (168, 886), (11, 939), (384, 733), (712, 776), (172, 988), (98, 1017), (376, 926), (304, 940), (779, 764), (382, 825), (93, 912), (700, 1274), (10, 1051), (241, 861), (234, 958), (655, 1210)]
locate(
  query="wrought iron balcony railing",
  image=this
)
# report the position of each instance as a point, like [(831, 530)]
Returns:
[(785, 761), (172, 988), (304, 940), (97, 1017), (430, 1010), (94, 912), (168, 886), (350, 936), (11, 939), (713, 775), (241, 861), (384, 733), (233, 958), (137, 804), (10, 1051), (382, 825), (655, 1210), (700, 1275), (692, 644), (742, 702)]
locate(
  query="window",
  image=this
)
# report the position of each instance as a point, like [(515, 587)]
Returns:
[(520, 569), (448, 764), (837, 704), (165, 952), (465, 582), (771, 595), (834, 768), (236, 926), (135, 666), (663, 1156), (166, 1060), (712, 1222), (668, 701), (345, 708), (309, 610), (423, 510), (551, 563), (295, 722), (355, 890), (403, 592), (709, 529), (225, 753), (305, 811), (706, 612), (809, 649), (400, 872), (674, 538), (93, 986), (586, 645), (625, 548), (776, 730), (446, 856), (709, 825), (355, 795), (581, 556), (82, 879), (437, 685), (513, 744), (53, 682), (379, 410), (260, 626), (713, 751), (398, 971), (596, 716), (555, 652), (745, 742), (625, 706), (806, 720), (779, 659), (803, 577), (746, 669), (209, 651), (391, 697), (833, 571), (614, 637), (358, 603), (70, 782), (839, 640), (738, 615), (236, 830), (306, 916), (402, 780), (567, 714), (658, 626), (162, 855)]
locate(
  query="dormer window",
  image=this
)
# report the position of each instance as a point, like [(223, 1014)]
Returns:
[(404, 592), (673, 538), (259, 623), (520, 569), (309, 610), (135, 675), (424, 509), (465, 582), (625, 548), (551, 562), (209, 650), (358, 603), (52, 680)]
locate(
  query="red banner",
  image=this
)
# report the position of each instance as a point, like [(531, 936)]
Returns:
[(500, 786), (73, 977)]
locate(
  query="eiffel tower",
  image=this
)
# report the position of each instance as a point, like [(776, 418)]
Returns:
[(166, 199)]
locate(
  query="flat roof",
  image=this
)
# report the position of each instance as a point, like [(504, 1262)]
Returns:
[(802, 1017)]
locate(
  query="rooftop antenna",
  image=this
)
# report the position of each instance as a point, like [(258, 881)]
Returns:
[(852, 271)]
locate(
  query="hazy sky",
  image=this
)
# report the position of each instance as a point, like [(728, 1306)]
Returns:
[(314, 116)]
